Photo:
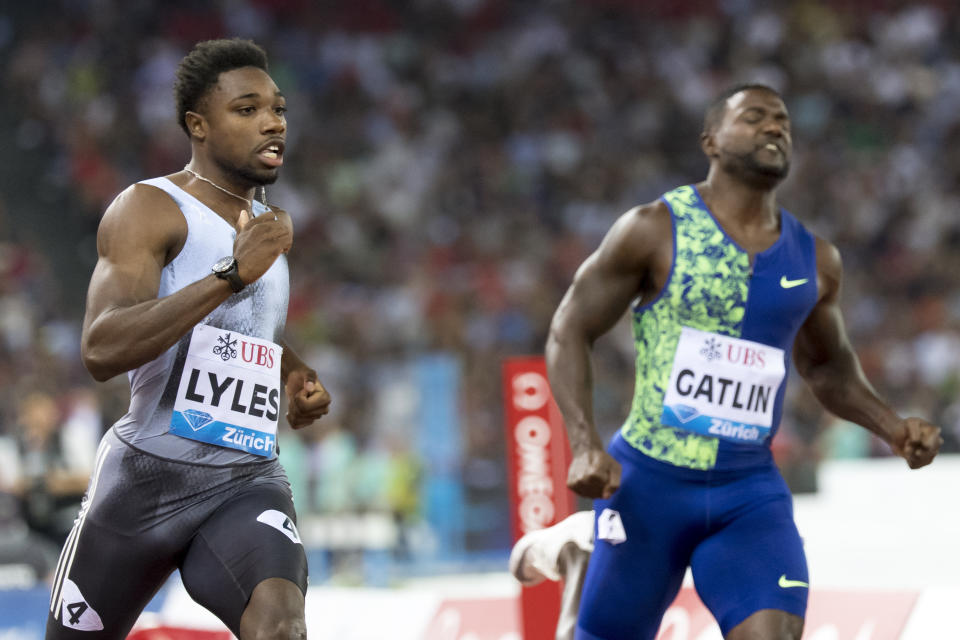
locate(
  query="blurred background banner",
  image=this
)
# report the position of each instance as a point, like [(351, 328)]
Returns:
[(538, 455), (449, 164), (439, 443)]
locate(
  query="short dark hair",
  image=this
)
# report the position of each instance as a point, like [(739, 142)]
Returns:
[(200, 69), (718, 106)]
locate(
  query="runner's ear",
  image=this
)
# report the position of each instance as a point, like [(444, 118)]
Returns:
[(708, 144), (196, 125)]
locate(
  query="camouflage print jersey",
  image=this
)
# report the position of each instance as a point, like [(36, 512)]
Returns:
[(713, 348)]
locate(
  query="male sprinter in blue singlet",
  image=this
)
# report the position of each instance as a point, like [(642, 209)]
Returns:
[(189, 296), (724, 288)]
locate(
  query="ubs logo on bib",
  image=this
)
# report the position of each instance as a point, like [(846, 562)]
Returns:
[(711, 349), (225, 347), (735, 352), (257, 354)]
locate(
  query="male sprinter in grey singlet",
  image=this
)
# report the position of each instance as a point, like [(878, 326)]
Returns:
[(189, 296)]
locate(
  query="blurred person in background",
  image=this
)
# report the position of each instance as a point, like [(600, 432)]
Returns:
[(404, 473), (189, 296), (725, 288), (56, 454), (45, 464), (20, 547), (451, 148)]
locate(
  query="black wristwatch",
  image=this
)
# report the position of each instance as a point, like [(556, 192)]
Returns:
[(228, 269)]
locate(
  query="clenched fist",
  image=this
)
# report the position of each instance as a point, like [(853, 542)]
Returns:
[(916, 441), (594, 474)]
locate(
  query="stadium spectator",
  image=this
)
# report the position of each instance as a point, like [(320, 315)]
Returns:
[(455, 161)]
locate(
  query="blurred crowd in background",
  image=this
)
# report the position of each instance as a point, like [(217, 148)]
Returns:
[(449, 165)]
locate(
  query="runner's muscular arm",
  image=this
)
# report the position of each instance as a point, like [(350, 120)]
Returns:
[(825, 358), (602, 289), (125, 324)]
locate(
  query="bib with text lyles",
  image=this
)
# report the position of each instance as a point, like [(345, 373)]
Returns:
[(229, 391), (723, 387)]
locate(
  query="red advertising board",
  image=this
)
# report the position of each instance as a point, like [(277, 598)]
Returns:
[(538, 455)]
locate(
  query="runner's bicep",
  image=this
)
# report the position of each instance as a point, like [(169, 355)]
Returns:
[(612, 276), (120, 282), (821, 340), (600, 294), (822, 337), (133, 240)]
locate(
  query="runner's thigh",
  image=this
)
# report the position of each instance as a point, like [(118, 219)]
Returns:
[(111, 565), (630, 584), (755, 560), (251, 537)]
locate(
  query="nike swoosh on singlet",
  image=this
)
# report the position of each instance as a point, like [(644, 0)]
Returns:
[(790, 284), (787, 584)]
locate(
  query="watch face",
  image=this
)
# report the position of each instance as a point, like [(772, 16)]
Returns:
[(223, 264)]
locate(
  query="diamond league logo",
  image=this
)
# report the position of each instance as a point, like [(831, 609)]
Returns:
[(197, 419), (226, 348)]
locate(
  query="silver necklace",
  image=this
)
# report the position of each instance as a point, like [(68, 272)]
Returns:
[(213, 184)]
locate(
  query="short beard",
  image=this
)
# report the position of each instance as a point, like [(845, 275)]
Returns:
[(747, 167), (256, 178), (250, 176)]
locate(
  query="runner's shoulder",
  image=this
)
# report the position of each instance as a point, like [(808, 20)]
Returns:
[(829, 267), (144, 211), (828, 256), (645, 223), (656, 212)]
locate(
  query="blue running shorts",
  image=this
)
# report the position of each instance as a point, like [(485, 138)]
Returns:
[(735, 530)]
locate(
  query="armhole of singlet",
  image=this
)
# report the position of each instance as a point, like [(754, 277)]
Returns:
[(639, 306)]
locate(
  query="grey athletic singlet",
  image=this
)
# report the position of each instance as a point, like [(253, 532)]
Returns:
[(258, 312)]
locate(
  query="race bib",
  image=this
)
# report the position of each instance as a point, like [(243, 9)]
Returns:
[(229, 391), (723, 387)]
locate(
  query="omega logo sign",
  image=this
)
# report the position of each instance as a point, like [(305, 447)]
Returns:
[(531, 392)]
